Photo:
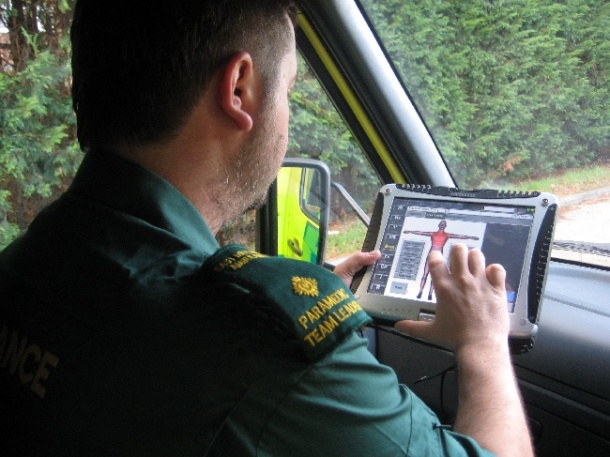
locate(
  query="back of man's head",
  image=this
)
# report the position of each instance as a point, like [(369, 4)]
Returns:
[(139, 67)]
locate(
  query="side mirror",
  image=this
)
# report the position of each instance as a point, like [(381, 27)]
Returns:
[(294, 222)]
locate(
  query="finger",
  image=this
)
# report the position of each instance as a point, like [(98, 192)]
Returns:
[(371, 257), (459, 259), (437, 265), (496, 275), (354, 263), (416, 329), (439, 271), (476, 263)]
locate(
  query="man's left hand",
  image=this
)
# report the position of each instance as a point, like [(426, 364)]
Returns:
[(354, 263)]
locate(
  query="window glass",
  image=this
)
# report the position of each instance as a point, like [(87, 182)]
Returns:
[(317, 131), (517, 96)]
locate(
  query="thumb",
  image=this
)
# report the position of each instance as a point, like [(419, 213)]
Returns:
[(416, 329), (354, 263)]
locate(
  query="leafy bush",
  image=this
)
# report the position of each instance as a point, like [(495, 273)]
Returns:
[(510, 89), (38, 154)]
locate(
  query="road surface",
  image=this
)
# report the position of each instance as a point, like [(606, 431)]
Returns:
[(588, 220), (585, 219)]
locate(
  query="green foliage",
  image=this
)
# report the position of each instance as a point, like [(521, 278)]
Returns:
[(317, 131), (510, 88), (345, 238), (568, 182), (38, 154)]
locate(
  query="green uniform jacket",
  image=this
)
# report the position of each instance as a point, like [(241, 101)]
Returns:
[(126, 330)]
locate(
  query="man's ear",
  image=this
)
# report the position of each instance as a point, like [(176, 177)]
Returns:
[(240, 90)]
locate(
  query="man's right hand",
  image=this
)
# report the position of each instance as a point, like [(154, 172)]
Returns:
[(472, 319), (471, 302)]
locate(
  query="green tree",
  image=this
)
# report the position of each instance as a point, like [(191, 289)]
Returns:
[(318, 131), (510, 88), (38, 152)]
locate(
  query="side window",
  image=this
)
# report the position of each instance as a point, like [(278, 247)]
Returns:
[(317, 131), (515, 95)]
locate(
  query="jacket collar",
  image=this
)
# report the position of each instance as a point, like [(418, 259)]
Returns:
[(135, 190)]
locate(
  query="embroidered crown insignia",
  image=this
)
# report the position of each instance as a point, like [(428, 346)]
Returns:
[(305, 286)]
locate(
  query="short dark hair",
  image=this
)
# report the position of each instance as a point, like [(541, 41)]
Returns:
[(140, 66)]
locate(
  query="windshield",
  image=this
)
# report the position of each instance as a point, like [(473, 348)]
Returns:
[(516, 95)]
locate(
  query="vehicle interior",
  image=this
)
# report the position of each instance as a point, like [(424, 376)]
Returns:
[(403, 92), (565, 378)]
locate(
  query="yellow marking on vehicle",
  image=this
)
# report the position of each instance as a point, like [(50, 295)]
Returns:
[(352, 100)]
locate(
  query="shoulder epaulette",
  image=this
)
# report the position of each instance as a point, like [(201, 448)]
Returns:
[(315, 304)]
